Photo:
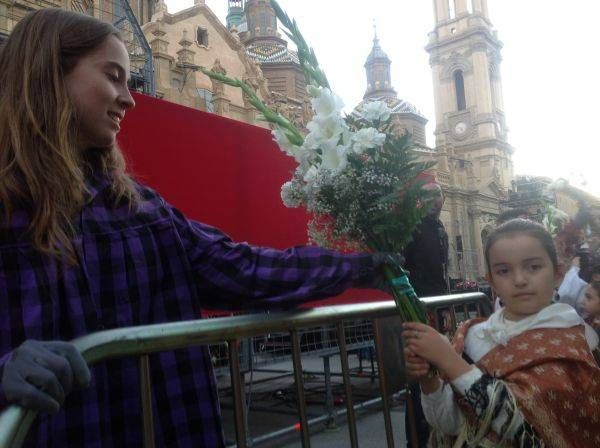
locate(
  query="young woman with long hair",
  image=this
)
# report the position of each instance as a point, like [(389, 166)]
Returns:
[(83, 248)]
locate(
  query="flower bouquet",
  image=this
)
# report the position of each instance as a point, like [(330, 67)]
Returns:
[(356, 175)]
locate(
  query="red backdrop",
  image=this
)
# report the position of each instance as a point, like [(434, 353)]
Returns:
[(219, 171)]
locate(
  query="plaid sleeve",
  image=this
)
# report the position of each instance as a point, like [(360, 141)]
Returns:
[(237, 275), (3, 359)]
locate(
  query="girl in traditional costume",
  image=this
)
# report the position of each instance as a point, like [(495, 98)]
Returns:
[(523, 377)]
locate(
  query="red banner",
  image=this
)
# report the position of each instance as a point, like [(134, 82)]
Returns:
[(219, 171)]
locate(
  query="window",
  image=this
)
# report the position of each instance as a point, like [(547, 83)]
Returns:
[(459, 87), (452, 7), (202, 37), (206, 95), (470, 6)]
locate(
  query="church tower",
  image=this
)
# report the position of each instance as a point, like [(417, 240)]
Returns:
[(405, 116), (379, 78), (235, 14), (465, 59)]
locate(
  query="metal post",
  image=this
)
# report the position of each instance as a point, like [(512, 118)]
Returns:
[(146, 392), (239, 408), (383, 387), (341, 336), (298, 376), (328, 393)]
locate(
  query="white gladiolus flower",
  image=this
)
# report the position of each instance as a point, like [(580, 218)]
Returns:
[(367, 138), (313, 91), (326, 128), (334, 158), (327, 104), (376, 110), (285, 145)]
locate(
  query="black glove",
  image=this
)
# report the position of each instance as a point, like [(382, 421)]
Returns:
[(40, 374), (379, 260)]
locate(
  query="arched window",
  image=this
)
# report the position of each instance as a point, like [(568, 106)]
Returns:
[(459, 87)]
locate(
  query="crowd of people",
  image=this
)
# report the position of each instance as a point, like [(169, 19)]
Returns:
[(84, 247)]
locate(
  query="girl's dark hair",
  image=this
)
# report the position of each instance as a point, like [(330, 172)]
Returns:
[(522, 226)]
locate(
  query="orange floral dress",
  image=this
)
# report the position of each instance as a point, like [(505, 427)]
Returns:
[(554, 381)]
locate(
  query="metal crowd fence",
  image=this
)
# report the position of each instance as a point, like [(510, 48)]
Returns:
[(445, 312), (125, 17)]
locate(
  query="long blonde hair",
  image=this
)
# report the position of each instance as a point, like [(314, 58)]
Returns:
[(41, 165)]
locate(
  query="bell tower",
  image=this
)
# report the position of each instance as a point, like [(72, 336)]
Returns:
[(465, 60)]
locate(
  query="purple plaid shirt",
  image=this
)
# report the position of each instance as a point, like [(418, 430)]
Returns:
[(143, 267)]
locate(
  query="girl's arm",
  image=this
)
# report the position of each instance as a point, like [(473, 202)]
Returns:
[(487, 396)]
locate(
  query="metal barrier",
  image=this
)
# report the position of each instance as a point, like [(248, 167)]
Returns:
[(144, 340)]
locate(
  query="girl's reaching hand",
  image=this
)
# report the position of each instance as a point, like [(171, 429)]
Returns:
[(416, 367), (425, 342)]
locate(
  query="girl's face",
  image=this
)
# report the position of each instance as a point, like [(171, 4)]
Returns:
[(522, 274), (591, 302), (97, 87)]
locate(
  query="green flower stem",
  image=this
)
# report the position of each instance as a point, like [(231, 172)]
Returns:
[(308, 60), (410, 307), (269, 114)]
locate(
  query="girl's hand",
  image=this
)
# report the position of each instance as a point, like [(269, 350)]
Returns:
[(416, 367), (425, 342)]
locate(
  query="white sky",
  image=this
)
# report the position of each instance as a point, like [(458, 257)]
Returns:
[(549, 70)]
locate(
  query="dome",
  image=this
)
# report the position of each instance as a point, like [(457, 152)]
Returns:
[(398, 106)]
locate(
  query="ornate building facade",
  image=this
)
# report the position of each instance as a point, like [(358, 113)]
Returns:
[(248, 48), (474, 157)]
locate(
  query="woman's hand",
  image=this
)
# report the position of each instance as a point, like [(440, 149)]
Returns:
[(425, 342), (40, 374)]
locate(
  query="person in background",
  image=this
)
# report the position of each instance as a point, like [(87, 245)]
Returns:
[(426, 259), (84, 248)]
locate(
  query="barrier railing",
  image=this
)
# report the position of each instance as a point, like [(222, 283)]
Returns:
[(144, 340)]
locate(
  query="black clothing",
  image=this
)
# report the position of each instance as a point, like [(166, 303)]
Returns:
[(427, 258), (427, 261)]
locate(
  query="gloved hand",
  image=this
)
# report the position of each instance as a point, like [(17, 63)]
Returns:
[(379, 260), (40, 374)]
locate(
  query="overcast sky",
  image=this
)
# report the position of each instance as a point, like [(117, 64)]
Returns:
[(549, 70)]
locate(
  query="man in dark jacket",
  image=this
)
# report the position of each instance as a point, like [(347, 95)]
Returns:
[(427, 261)]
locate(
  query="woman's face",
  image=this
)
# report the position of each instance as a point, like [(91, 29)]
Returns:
[(97, 87)]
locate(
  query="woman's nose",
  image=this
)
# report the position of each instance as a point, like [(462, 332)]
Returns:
[(126, 99)]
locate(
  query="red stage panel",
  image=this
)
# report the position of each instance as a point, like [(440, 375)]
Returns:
[(219, 171)]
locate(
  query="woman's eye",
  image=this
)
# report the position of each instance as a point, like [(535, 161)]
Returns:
[(113, 77), (535, 267), (501, 271)]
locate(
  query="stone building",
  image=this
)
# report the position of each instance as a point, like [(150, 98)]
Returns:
[(248, 48), (195, 37), (474, 157)]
